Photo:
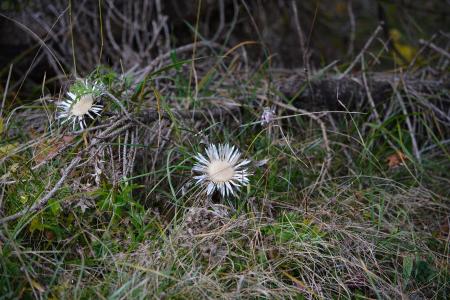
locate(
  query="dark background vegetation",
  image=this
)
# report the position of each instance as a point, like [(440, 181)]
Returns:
[(332, 30)]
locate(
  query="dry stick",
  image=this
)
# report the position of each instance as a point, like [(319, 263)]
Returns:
[(110, 126), (113, 166), (366, 88), (413, 61), (2, 185), (124, 154), (304, 46), (131, 154), (221, 21), (125, 111), (109, 33), (351, 44), (6, 90), (93, 128), (364, 49), (179, 50), (117, 132), (445, 117), (300, 35), (435, 48)]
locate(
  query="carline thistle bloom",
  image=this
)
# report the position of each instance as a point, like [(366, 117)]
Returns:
[(222, 171), (81, 103), (268, 116)]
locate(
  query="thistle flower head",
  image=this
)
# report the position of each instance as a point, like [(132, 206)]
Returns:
[(81, 102), (222, 170), (268, 116)]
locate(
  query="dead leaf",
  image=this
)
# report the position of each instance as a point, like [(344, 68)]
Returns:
[(395, 160), (68, 139), (51, 148), (49, 235)]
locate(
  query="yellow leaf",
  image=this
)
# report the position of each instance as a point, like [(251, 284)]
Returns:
[(298, 283), (1, 125), (406, 51), (36, 224), (395, 35), (14, 167), (4, 150), (37, 286)]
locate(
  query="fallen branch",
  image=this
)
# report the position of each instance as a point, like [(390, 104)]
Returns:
[(325, 89), (439, 50)]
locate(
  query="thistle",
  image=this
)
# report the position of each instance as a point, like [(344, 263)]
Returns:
[(222, 171), (81, 103)]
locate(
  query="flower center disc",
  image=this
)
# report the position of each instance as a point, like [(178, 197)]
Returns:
[(83, 105), (220, 171)]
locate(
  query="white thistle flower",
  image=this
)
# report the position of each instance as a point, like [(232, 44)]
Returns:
[(268, 116), (81, 103), (222, 171)]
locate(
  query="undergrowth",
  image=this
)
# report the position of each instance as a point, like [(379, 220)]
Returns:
[(370, 226), (351, 203)]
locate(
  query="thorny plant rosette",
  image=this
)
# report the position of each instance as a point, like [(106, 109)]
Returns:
[(81, 102), (222, 170)]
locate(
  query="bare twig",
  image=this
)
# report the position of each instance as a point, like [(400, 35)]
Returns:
[(366, 87), (413, 61), (186, 48), (125, 154), (435, 48), (2, 186), (364, 49), (221, 21), (301, 36), (132, 153), (6, 90), (351, 43)]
